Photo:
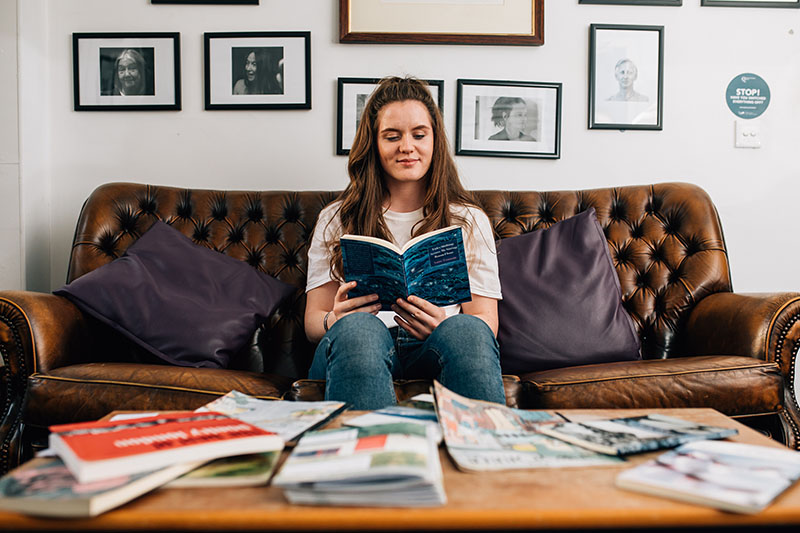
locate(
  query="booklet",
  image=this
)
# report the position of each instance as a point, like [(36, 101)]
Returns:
[(238, 471), (103, 449), (44, 486), (731, 476), (432, 266), (288, 419), (400, 413), (392, 465), (483, 436), (634, 434)]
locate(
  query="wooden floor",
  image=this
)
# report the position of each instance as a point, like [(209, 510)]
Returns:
[(543, 499)]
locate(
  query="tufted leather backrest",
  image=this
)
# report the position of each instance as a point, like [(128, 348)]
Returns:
[(666, 242)]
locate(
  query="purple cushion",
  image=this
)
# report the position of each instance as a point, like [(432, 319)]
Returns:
[(562, 303), (187, 304)]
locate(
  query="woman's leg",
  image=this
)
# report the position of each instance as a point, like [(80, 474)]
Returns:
[(356, 357), (463, 354)]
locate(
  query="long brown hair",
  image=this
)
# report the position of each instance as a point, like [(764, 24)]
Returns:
[(361, 210)]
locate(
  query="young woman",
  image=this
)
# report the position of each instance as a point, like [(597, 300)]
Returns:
[(403, 183)]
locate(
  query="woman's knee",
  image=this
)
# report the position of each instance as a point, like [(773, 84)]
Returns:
[(465, 330), (359, 339)]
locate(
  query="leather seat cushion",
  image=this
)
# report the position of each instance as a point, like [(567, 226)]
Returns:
[(734, 385), (90, 391), (312, 390)]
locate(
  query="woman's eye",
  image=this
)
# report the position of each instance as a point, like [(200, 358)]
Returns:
[(419, 136)]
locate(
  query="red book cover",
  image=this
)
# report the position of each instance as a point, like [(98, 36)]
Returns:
[(94, 450)]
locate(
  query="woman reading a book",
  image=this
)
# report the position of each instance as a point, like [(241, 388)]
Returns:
[(403, 183)]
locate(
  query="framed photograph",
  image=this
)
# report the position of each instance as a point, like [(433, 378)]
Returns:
[(626, 73), (126, 71), (229, 2), (353, 94), (258, 70), (514, 22), (751, 3), (508, 119), (634, 2)]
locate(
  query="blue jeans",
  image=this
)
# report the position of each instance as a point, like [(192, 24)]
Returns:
[(359, 357)]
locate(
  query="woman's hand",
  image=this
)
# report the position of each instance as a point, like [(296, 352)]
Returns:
[(342, 305), (417, 316)]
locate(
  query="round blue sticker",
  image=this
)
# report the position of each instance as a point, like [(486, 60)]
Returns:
[(747, 95)]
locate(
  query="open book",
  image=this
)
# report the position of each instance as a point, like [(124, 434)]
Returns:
[(491, 436), (634, 434), (432, 266), (731, 476)]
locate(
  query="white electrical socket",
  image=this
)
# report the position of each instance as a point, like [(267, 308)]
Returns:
[(748, 134)]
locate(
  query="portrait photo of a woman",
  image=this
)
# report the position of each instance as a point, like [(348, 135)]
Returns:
[(257, 70), (127, 71)]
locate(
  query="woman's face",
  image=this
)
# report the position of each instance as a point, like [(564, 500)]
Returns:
[(129, 75), (250, 66), (405, 140), (516, 119)]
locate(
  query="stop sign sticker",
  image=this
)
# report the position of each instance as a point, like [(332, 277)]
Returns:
[(747, 95)]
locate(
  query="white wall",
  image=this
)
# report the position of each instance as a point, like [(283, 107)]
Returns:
[(10, 234), (754, 190)]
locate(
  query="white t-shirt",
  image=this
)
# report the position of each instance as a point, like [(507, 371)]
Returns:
[(479, 248)]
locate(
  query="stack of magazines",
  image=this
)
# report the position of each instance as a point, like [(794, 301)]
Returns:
[(395, 465)]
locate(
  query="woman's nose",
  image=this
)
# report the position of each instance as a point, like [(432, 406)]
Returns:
[(405, 144)]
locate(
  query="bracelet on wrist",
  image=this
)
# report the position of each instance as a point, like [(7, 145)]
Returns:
[(325, 320)]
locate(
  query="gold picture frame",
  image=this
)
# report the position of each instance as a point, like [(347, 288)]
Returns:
[(494, 22)]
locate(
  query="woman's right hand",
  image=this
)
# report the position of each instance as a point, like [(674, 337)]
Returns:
[(342, 305)]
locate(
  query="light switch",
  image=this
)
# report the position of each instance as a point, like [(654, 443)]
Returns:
[(748, 134)]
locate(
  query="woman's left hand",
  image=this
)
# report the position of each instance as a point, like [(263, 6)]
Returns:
[(417, 316)]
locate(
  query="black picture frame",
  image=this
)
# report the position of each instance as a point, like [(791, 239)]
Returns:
[(617, 53), (749, 3), (231, 84), (483, 106), (221, 2), (633, 2), (152, 74), (352, 94)]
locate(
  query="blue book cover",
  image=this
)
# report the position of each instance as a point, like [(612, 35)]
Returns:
[(432, 266)]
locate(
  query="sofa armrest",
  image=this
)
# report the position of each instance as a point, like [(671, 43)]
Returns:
[(764, 326), (38, 331)]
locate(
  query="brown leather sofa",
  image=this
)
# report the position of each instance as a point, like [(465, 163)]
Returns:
[(702, 344)]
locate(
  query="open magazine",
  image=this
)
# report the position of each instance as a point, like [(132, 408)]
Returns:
[(432, 266), (288, 419), (490, 436), (731, 476), (634, 434), (390, 465)]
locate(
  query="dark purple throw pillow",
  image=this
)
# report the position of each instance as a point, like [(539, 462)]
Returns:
[(188, 305), (562, 303)]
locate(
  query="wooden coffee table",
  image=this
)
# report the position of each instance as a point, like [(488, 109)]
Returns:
[(567, 498)]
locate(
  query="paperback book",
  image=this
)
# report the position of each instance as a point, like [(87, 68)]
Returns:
[(44, 486), (238, 471), (287, 419), (99, 450), (391, 465), (634, 434), (482, 436), (731, 476), (432, 266)]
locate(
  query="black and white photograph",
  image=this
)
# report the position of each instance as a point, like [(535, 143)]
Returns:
[(258, 70), (352, 95), (633, 2), (509, 118), (126, 71), (222, 2), (751, 3), (626, 70)]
